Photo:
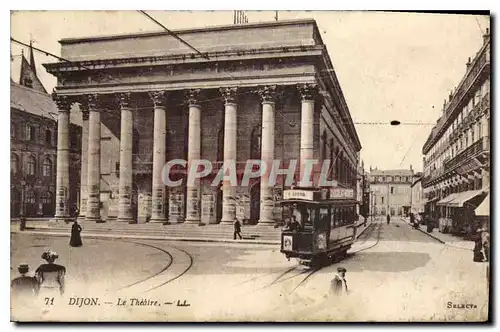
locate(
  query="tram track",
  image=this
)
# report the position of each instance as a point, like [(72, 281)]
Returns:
[(144, 281)]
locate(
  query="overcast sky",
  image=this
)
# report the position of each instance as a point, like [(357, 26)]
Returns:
[(390, 65)]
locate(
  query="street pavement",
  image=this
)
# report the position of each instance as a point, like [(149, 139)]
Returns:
[(394, 273)]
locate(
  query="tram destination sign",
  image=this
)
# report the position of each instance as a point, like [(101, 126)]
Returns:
[(300, 194), (341, 193)]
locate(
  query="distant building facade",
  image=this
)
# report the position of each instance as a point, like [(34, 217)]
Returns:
[(390, 191), (457, 151), (33, 156)]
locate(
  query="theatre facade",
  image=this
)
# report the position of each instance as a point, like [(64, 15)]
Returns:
[(253, 91)]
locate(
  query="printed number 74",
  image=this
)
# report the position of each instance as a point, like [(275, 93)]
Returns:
[(49, 301)]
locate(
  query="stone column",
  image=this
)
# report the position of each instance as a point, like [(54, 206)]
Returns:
[(126, 170), (230, 136), (159, 155), (307, 92), (268, 96), (193, 204), (93, 212), (62, 165), (84, 160)]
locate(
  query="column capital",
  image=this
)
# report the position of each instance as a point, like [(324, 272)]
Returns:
[(229, 94), (93, 101), (308, 91), (158, 97), (63, 102), (123, 99), (193, 97), (268, 93)]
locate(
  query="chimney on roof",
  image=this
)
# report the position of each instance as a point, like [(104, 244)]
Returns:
[(371, 168), (486, 36), (468, 64), (450, 95)]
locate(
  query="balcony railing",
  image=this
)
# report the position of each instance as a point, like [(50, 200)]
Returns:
[(482, 145)]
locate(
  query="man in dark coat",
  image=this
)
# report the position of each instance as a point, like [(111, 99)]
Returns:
[(237, 229), (339, 284), (24, 289)]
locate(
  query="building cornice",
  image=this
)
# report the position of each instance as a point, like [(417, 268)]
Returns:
[(216, 28)]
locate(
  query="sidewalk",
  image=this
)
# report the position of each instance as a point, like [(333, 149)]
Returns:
[(447, 239), (252, 234)]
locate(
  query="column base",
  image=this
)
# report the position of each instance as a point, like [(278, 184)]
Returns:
[(126, 220), (193, 221), (81, 218), (158, 220), (267, 222), (97, 220), (57, 219), (227, 222)]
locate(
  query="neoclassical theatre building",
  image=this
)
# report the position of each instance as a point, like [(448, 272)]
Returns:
[(255, 91)]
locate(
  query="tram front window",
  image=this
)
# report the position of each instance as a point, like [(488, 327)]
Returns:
[(301, 218)]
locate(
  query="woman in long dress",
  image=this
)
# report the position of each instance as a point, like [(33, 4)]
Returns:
[(76, 239), (50, 276)]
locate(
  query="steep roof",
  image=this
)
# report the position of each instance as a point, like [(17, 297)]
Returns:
[(37, 103)]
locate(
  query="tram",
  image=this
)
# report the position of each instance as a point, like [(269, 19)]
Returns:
[(319, 224)]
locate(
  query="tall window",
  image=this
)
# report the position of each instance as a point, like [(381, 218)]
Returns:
[(48, 137), (332, 160), (337, 164), (323, 148), (12, 130), (14, 163), (30, 133), (256, 142), (47, 197), (31, 165), (47, 167), (30, 197)]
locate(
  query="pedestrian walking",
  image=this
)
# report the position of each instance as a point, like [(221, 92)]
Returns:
[(485, 242), (76, 239), (24, 289), (478, 255), (22, 222), (338, 283), (50, 276), (237, 229), (388, 219)]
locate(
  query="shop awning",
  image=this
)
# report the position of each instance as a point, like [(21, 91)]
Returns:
[(463, 197), (447, 199), (484, 208)]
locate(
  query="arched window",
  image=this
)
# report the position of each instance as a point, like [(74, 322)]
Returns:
[(256, 142), (47, 197), (31, 165), (47, 167), (30, 197), (14, 163)]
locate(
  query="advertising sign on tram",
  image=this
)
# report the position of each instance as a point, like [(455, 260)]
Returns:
[(341, 193)]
